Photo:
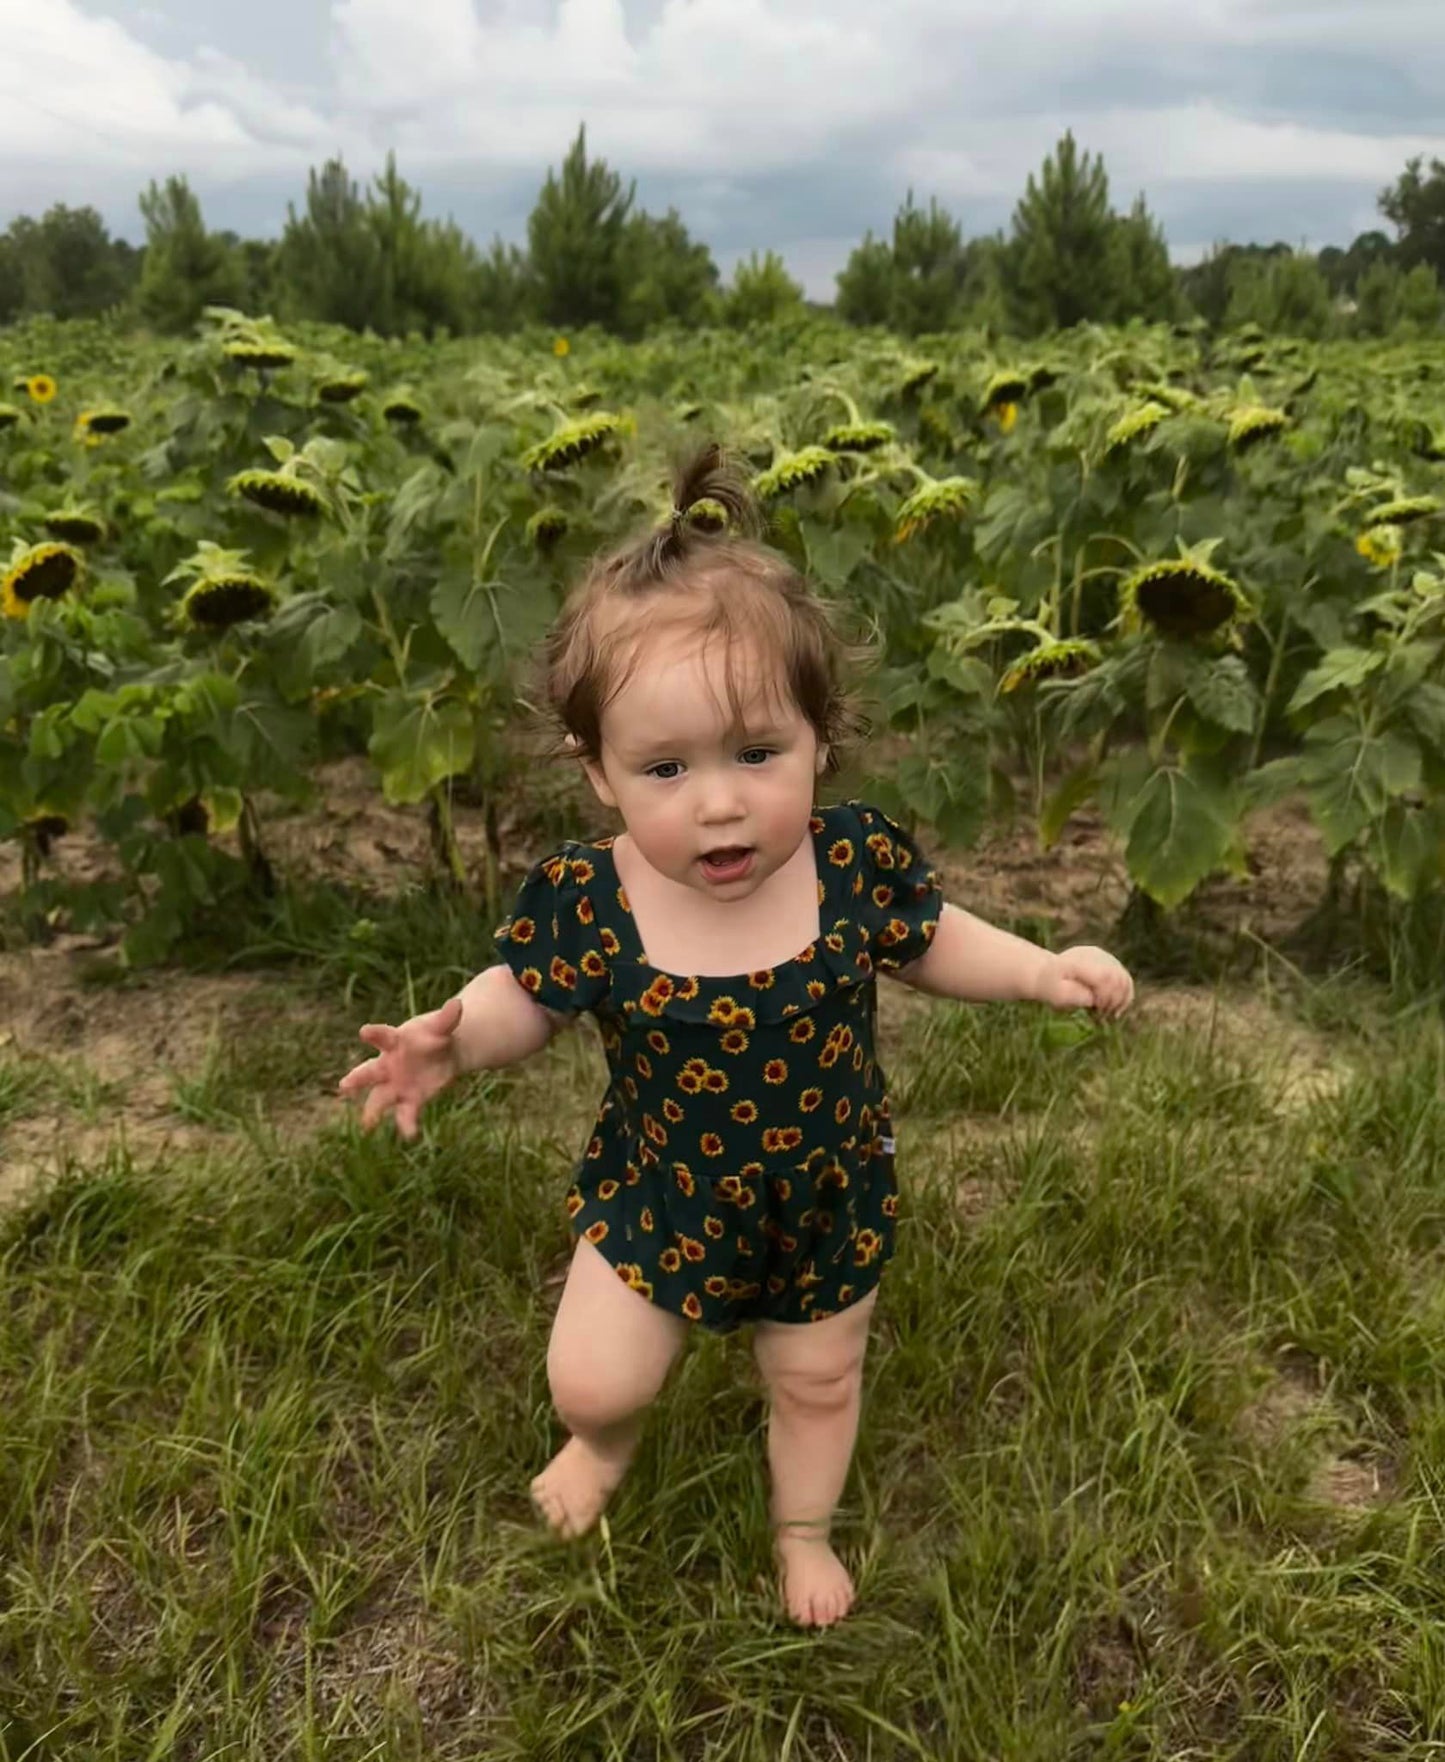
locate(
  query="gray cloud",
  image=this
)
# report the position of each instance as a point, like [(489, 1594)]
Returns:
[(796, 124)]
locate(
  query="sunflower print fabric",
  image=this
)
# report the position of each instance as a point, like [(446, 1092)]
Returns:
[(741, 1162)]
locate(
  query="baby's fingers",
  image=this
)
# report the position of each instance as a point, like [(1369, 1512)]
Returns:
[(380, 1035), (381, 1098), (360, 1077)]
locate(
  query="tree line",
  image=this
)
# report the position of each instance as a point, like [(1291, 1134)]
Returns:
[(369, 259)]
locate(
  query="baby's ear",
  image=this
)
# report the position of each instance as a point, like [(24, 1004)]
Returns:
[(600, 787)]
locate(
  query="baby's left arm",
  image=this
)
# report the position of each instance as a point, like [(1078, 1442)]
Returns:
[(977, 963)]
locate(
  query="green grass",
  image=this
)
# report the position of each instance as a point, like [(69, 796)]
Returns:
[(269, 1423)]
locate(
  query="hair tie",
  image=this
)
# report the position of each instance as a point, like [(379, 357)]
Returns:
[(679, 518)]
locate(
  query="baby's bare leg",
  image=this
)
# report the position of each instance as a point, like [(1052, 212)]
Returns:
[(610, 1352), (814, 1373)]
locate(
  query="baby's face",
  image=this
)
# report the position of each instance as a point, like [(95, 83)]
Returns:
[(688, 786)]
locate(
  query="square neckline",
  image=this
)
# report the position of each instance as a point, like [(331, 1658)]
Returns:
[(802, 957)]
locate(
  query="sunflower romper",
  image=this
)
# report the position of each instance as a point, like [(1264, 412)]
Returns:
[(741, 1163)]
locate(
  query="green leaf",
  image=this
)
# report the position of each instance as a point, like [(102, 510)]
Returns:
[(1223, 693), (1406, 849), (1351, 775), (1340, 669), (968, 675), (466, 616), (1075, 789), (328, 637), (1181, 831), (1268, 784), (834, 550), (951, 797), (416, 742), (1425, 707)]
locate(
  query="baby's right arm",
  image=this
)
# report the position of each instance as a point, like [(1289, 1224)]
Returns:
[(501, 1022), (492, 1021)]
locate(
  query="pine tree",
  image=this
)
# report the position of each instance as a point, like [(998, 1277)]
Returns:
[(1059, 267), (328, 263), (1416, 205), (762, 291), (186, 268), (575, 234), (666, 274), (865, 284), (928, 266), (1145, 282)]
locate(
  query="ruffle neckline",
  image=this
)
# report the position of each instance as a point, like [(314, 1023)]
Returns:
[(837, 960)]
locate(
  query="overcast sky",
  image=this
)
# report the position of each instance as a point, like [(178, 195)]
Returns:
[(796, 124)]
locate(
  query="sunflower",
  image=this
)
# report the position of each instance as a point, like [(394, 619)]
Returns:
[(1142, 420), (944, 498), (1007, 415), (108, 420), (251, 352), (584, 397), (917, 375), (561, 347), (77, 525), (41, 388), (1065, 659), (1252, 423), (402, 409), (42, 827), (219, 600), (275, 490), (688, 412), (341, 388), (38, 572), (1173, 397), (9, 415), (1380, 545), (1004, 389), (707, 515), (1403, 512), (1182, 597), (572, 442), (858, 437), (790, 470), (546, 527), (1042, 377)]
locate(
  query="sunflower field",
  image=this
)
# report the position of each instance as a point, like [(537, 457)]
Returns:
[(1175, 575)]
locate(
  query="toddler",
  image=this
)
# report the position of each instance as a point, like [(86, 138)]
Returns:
[(728, 942)]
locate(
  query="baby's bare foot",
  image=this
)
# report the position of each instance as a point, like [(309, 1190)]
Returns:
[(817, 1588), (576, 1484)]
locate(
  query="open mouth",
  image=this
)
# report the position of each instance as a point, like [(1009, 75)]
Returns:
[(728, 863)]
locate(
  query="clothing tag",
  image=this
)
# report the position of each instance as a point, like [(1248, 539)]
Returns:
[(887, 1144)]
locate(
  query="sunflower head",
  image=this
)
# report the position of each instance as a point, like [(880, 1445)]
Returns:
[(108, 420), (1404, 511), (917, 375), (1065, 659), (9, 416), (707, 515), (561, 347), (402, 410), (858, 437), (227, 596), (1182, 597), (945, 498), (546, 527), (1380, 546), (341, 388), (278, 491), (1172, 397), (1144, 419), (76, 525), (1251, 423), (792, 470), (583, 397), (41, 388), (1003, 389), (688, 412), (572, 442), (1042, 376), (42, 827), (38, 572), (253, 352)]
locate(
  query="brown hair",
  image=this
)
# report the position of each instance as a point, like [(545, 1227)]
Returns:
[(705, 568)]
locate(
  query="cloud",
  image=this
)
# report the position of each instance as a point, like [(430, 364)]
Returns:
[(795, 124)]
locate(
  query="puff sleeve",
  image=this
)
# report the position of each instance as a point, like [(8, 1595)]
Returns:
[(550, 940), (900, 896)]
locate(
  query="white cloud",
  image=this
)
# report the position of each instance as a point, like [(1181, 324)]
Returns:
[(730, 103)]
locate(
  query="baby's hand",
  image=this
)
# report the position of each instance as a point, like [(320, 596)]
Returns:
[(413, 1063), (1087, 978)]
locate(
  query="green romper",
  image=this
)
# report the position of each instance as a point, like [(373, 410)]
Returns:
[(741, 1163)]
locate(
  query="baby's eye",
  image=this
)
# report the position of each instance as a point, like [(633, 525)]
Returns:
[(665, 770), (756, 752)]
